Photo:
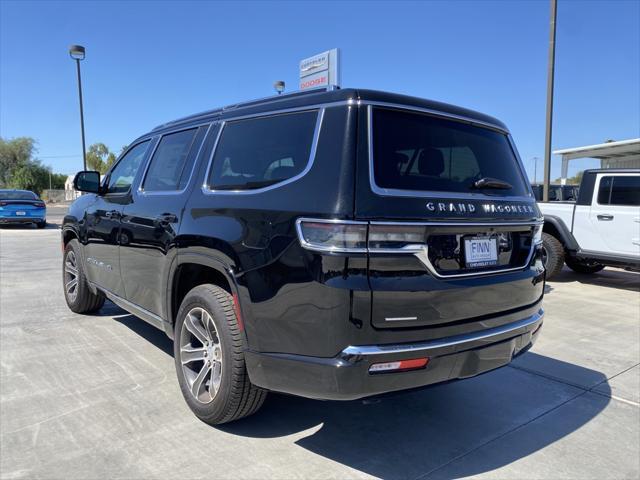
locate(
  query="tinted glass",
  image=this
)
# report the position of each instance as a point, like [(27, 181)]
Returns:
[(17, 195), (169, 162), (122, 175), (413, 151), (604, 190), (258, 152), (625, 191)]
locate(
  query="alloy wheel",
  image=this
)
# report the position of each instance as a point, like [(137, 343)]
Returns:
[(201, 355), (71, 276)]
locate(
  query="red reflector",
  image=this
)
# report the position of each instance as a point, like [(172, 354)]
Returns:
[(236, 308), (400, 365)]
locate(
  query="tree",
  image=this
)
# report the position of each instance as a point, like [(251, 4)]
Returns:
[(30, 176), (100, 158), (14, 153), (575, 180)]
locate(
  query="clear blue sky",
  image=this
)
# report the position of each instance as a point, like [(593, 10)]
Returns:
[(150, 62)]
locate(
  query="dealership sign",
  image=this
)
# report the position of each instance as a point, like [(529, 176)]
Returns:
[(321, 70)]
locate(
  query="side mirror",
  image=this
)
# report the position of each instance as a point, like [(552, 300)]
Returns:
[(87, 181)]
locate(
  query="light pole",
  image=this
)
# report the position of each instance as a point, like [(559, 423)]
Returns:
[(535, 170), (77, 52), (550, 75)]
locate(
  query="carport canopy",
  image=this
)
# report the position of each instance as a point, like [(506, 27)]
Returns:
[(622, 154)]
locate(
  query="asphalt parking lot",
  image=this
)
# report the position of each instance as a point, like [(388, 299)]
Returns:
[(96, 397)]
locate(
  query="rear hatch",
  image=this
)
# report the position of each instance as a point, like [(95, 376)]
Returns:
[(451, 220)]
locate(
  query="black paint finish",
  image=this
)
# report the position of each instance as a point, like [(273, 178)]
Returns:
[(293, 301)]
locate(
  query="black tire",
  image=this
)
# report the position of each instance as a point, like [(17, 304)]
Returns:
[(84, 300), (236, 396), (553, 255), (583, 266), (41, 224)]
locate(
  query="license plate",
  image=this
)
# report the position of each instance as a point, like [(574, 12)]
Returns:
[(480, 252), (21, 213)]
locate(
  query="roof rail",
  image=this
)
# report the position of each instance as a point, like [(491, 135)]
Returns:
[(249, 103)]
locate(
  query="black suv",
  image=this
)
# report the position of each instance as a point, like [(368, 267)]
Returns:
[(331, 244)]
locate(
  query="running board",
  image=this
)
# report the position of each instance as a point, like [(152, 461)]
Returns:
[(132, 308)]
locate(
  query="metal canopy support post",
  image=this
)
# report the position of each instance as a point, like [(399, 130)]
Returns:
[(550, 72)]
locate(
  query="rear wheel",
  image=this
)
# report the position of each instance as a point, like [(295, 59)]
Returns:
[(583, 266), (552, 255), (77, 293), (41, 224), (208, 351)]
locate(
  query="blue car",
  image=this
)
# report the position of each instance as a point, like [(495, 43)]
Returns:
[(22, 206)]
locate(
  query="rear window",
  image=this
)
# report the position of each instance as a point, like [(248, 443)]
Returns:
[(414, 151), (259, 152), (18, 195)]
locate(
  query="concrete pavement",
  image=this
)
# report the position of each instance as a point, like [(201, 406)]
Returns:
[(96, 397)]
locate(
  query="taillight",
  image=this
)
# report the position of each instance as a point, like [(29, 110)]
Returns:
[(332, 235), (396, 237), (39, 204), (3, 204)]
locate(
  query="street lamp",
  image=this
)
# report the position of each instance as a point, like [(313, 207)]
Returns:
[(77, 52), (279, 86)]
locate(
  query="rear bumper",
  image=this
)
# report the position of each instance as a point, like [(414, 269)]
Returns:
[(347, 377), (25, 219)]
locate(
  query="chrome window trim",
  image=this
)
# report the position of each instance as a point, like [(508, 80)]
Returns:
[(396, 192), (458, 340), (436, 113), (141, 191), (216, 115), (207, 190), (314, 248)]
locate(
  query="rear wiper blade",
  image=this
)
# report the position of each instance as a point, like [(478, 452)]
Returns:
[(489, 182)]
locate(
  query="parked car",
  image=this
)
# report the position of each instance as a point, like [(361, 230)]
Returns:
[(557, 193), (602, 228), (329, 244), (22, 206)]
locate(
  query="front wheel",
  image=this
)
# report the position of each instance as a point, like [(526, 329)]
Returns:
[(77, 293), (583, 266), (209, 357)]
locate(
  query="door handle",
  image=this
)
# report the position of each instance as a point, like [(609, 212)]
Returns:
[(112, 214), (166, 218), (605, 218)]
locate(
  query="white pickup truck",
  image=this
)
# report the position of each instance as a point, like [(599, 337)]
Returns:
[(601, 228)]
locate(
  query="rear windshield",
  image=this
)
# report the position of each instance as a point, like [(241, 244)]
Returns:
[(415, 151), (17, 195)]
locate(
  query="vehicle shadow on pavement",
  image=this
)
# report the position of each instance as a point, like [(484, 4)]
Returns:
[(497, 418), (411, 434), (612, 278)]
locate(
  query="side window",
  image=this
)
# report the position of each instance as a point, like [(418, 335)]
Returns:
[(258, 152), (169, 163), (604, 190), (625, 191), (122, 175)]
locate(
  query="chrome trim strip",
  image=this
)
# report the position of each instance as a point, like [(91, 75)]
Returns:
[(400, 319), (457, 340), (132, 308), (419, 250), (312, 155), (464, 224), (394, 192), (437, 113), (315, 248), (142, 191), (423, 256)]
